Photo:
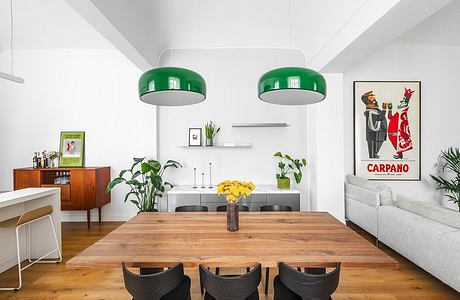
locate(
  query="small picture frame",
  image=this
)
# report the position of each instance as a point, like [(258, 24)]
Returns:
[(194, 137), (72, 149)]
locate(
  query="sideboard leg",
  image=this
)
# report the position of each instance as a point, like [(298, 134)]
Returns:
[(99, 209), (88, 217)]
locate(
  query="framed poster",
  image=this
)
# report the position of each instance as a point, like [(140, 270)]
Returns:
[(194, 137), (387, 129), (72, 148)]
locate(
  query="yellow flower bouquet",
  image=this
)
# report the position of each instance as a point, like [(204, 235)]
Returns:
[(234, 190)]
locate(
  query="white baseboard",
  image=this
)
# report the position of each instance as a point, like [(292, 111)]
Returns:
[(80, 216), (11, 261)]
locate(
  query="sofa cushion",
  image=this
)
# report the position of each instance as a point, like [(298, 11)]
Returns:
[(433, 212), (386, 196)]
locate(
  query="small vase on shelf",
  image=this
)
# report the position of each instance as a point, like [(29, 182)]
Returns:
[(209, 143), (233, 221)]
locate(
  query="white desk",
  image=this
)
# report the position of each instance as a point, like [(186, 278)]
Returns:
[(13, 204), (262, 195)]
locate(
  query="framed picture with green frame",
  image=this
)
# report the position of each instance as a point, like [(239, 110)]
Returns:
[(72, 148)]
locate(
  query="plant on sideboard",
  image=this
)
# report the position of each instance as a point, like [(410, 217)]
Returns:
[(449, 164), (210, 131), (145, 179), (288, 165)]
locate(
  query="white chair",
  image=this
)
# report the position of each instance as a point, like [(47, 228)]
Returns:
[(27, 218)]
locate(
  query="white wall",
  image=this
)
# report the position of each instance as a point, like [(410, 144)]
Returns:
[(90, 90), (231, 76), (437, 68)]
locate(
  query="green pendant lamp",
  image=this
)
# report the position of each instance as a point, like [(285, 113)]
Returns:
[(292, 86), (172, 86)]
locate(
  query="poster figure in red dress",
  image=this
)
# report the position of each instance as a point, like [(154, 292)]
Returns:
[(398, 127)]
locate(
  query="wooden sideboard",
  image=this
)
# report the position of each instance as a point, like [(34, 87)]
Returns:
[(84, 191)]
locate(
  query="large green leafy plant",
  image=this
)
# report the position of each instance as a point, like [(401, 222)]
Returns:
[(145, 179), (288, 165), (449, 165)]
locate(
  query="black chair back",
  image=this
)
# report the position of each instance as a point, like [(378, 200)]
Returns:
[(275, 208), (230, 287), (240, 207), (153, 286), (310, 286), (191, 208)]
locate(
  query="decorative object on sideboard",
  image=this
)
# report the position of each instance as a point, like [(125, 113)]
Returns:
[(288, 165), (194, 137), (210, 131), (210, 178), (194, 178), (234, 191), (145, 181), (72, 149), (387, 143), (449, 165)]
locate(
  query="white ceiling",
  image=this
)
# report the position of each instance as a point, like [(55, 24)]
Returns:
[(46, 24), (443, 28)]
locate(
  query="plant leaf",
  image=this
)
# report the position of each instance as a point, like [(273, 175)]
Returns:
[(113, 183), (278, 154)]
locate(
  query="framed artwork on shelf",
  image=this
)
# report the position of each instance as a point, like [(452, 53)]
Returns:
[(72, 148), (387, 117), (194, 137)]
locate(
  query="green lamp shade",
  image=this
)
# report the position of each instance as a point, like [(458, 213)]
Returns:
[(292, 86), (171, 86)]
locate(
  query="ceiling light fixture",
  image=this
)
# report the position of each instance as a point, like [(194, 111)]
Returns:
[(11, 76), (292, 85), (171, 86)]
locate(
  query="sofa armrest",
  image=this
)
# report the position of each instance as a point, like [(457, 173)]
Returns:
[(364, 196)]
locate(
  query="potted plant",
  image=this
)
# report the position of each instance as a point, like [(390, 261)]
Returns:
[(210, 130), (288, 165), (234, 191), (145, 181), (449, 164)]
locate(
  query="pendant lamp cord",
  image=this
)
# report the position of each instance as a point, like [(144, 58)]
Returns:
[(290, 26), (11, 36), (172, 32)]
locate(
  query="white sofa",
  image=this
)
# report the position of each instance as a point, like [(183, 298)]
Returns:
[(362, 200), (426, 234)]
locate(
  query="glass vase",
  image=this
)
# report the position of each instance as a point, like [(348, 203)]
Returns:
[(233, 222)]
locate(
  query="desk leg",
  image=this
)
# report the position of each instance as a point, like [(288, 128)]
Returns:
[(88, 217), (100, 214)]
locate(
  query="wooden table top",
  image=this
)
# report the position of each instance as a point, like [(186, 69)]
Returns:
[(298, 238)]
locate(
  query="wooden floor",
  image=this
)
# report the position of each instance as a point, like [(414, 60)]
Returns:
[(49, 281)]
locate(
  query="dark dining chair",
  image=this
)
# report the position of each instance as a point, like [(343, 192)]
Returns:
[(221, 208), (231, 287), (171, 284), (291, 284), (191, 208), (275, 208), (272, 208)]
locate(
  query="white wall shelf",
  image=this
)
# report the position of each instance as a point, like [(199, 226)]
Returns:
[(224, 145), (260, 125)]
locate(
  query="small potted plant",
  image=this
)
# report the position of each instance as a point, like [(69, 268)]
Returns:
[(210, 130), (450, 166), (234, 191), (145, 179), (287, 165)]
